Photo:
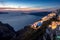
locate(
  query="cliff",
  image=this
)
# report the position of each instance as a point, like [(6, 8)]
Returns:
[(30, 34), (27, 33), (6, 31)]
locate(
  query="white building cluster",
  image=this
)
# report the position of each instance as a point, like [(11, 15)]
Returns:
[(45, 18)]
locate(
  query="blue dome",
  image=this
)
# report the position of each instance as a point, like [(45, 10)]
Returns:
[(39, 24)]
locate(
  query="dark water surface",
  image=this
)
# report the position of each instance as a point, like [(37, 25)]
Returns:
[(18, 20)]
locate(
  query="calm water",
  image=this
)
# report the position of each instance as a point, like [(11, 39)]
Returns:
[(18, 20)]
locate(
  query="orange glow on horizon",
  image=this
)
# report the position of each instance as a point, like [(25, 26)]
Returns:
[(27, 10), (23, 9)]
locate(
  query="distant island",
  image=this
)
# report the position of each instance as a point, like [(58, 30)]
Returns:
[(3, 12)]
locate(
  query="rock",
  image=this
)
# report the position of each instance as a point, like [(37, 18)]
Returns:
[(6, 31), (30, 34)]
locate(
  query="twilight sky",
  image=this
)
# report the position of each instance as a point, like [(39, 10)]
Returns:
[(30, 3)]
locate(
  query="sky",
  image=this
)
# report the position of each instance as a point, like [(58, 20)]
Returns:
[(30, 3)]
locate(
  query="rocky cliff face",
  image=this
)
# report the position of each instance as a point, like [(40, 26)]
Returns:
[(27, 33), (6, 31), (30, 34)]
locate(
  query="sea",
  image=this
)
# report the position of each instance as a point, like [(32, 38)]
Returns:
[(18, 20)]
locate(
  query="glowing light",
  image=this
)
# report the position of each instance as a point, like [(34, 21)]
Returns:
[(54, 25)]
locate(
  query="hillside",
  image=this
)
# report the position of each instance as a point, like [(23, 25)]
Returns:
[(28, 33)]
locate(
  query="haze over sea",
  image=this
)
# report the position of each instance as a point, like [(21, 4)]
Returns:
[(18, 20)]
